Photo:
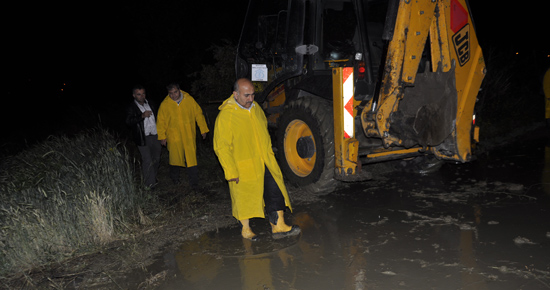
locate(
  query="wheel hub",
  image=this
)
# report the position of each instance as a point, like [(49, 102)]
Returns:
[(299, 147), (305, 147)]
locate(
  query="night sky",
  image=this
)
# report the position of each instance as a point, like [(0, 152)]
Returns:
[(69, 61), (70, 64), (110, 46)]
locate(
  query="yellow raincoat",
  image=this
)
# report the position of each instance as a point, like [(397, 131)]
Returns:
[(176, 124), (243, 146)]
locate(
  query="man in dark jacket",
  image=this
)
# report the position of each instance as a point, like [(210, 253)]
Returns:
[(140, 116)]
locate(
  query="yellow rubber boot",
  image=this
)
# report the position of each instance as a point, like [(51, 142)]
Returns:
[(247, 232), (280, 229)]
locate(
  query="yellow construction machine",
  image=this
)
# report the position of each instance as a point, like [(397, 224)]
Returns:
[(346, 84)]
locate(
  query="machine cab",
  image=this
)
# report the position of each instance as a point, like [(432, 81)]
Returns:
[(306, 39)]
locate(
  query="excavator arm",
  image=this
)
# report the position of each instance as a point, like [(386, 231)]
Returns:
[(433, 108)]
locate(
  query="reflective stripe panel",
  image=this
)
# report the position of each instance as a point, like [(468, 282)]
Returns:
[(347, 80)]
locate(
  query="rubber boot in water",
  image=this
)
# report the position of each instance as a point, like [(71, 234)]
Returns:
[(279, 228), (247, 232)]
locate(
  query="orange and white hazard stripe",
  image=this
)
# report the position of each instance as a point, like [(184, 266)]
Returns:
[(347, 80)]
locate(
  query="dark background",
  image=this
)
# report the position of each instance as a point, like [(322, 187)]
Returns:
[(72, 65)]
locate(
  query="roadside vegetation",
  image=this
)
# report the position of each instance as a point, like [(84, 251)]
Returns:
[(63, 197), (73, 196)]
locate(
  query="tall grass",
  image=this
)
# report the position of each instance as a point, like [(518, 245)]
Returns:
[(64, 196)]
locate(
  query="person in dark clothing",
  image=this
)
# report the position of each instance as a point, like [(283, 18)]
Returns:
[(140, 117)]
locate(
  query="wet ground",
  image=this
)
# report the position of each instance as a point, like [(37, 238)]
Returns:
[(480, 225)]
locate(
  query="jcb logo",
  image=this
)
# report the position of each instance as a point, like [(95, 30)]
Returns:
[(461, 41)]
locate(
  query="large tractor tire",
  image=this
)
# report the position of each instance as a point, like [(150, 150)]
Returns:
[(305, 145)]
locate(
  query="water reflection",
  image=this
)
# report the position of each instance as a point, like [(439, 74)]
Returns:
[(255, 270), (321, 257), (471, 279), (195, 262), (224, 260), (328, 255)]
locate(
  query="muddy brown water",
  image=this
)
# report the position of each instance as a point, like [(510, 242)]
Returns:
[(480, 225)]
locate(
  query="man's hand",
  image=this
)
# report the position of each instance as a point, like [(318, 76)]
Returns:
[(234, 179), (146, 114), (163, 142), (204, 136)]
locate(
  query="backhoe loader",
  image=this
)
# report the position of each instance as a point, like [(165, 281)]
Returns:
[(346, 84)]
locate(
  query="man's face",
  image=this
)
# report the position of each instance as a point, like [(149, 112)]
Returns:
[(139, 96), (174, 94), (245, 95)]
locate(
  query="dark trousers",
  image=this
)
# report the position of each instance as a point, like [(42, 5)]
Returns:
[(150, 158), (273, 197), (192, 174)]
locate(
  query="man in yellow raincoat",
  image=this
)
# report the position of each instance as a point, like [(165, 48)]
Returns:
[(176, 129), (243, 147)]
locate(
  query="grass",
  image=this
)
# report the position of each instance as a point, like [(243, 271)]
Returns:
[(63, 197)]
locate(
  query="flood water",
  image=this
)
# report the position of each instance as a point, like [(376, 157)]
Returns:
[(480, 225)]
